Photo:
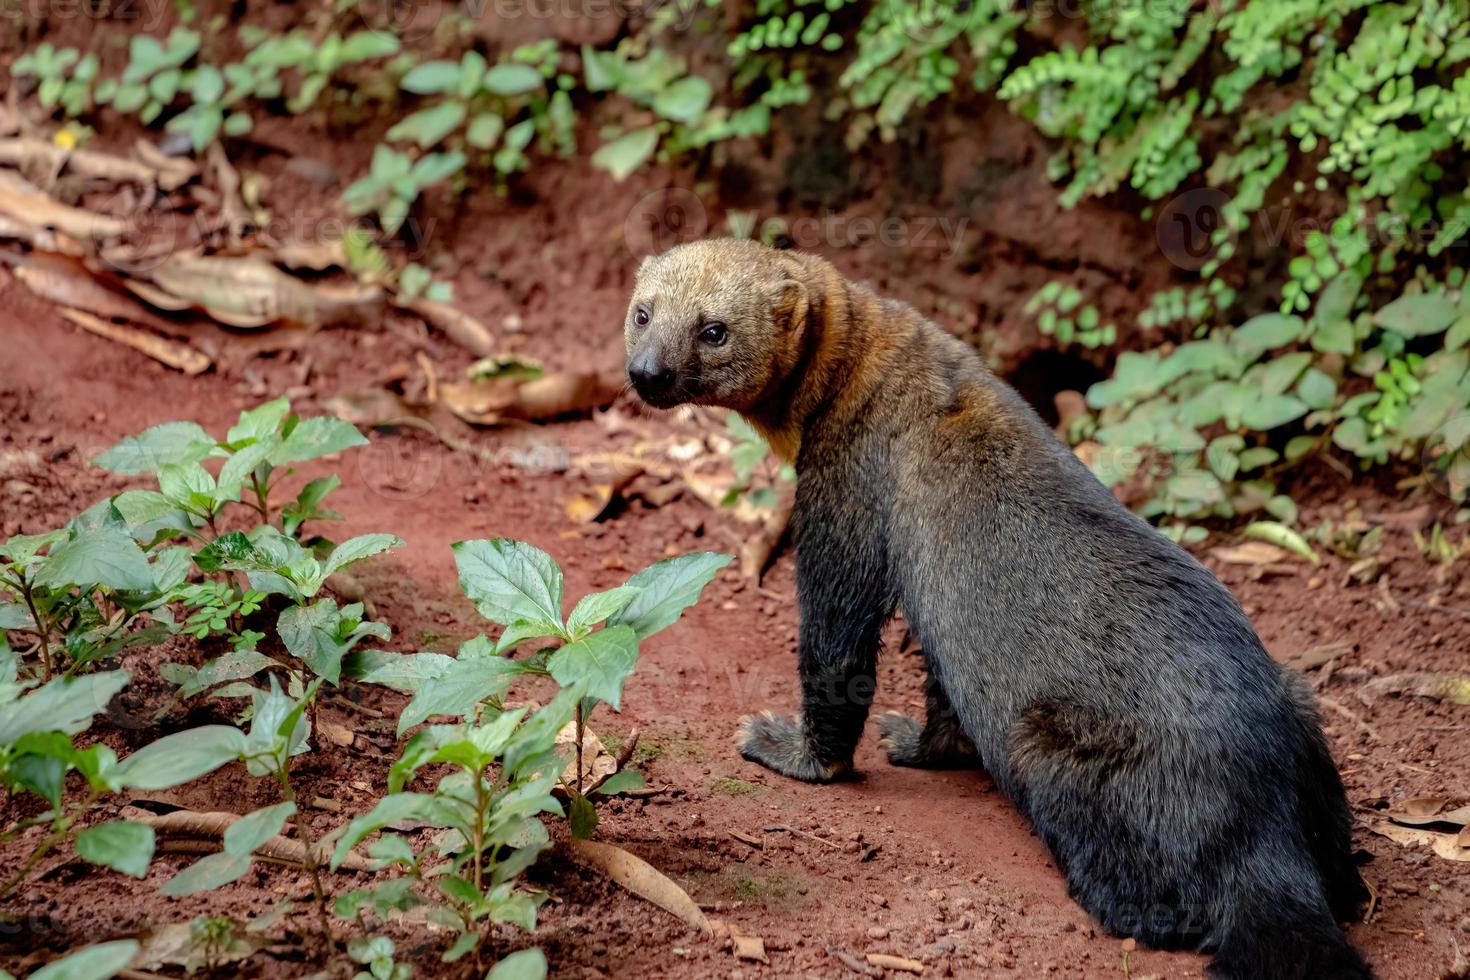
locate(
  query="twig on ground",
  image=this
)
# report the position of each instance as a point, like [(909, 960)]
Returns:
[(853, 963), (783, 828)]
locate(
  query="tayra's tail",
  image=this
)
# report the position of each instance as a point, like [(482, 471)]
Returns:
[(1286, 941)]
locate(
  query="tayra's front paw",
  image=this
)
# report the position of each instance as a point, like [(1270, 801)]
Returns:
[(902, 738), (778, 743)]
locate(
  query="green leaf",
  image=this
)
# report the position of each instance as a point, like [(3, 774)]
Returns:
[(1271, 411), (99, 962), (685, 100), (626, 153), (122, 845), (316, 437), (312, 634), (603, 661), (368, 44), (512, 79), (594, 607), (149, 451), (206, 873), (484, 130), (525, 964), (434, 167), (428, 126), (431, 77), (1418, 314), (1334, 338), (181, 757), (1267, 332), (622, 782), (459, 689), (668, 588), (406, 672), (252, 830), (1317, 389), (582, 817), (104, 556), (233, 666), (510, 582), (64, 704), (390, 810), (242, 464), (356, 549)]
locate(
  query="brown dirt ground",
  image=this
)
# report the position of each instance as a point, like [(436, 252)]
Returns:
[(931, 865)]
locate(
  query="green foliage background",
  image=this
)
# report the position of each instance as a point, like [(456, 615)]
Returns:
[(1342, 121)]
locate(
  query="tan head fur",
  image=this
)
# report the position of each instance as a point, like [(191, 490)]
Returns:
[(715, 323)]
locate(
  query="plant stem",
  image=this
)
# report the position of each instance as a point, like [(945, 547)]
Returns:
[(580, 721), (303, 830), (60, 830), (41, 630)]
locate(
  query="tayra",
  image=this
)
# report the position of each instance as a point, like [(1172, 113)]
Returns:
[(1110, 685)]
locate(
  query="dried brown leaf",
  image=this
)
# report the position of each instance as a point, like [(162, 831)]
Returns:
[(1454, 688), (240, 292), (1251, 553), (459, 326), (36, 210), (1447, 846), (895, 963), (751, 948), (180, 357), (640, 878)]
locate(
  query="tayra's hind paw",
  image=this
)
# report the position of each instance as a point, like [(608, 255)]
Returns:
[(902, 738), (910, 744), (779, 744)]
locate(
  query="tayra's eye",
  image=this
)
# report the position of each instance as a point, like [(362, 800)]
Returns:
[(641, 317), (714, 334)]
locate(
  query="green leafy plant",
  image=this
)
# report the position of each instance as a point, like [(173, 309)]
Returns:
[(758, 473), (507, 767), (38, 751)]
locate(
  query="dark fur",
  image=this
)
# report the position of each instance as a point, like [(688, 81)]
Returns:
[(1110, 685)]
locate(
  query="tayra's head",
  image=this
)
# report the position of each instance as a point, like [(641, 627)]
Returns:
[(714, 323)]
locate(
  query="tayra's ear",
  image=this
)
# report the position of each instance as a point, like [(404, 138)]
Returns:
[(789, 304)]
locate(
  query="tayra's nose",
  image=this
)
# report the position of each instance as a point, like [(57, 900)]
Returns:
[(650, 376)]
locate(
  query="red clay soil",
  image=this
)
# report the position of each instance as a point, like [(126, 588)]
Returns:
[(930, 865)]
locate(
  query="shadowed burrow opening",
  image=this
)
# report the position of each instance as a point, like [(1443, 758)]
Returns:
[(1042, 374)]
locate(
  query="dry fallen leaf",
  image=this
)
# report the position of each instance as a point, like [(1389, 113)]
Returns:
[(751, 948), (895, 963), (1453, 688), (179, 356), (459, 326), (240, 292), (26, 154), (67, 282), (1427, 810), (1318, 655), (335, 733), (597, 762), (316, 256), (1447, 846), (195, 825), (491, 401), (640, 878), (588, 507), (36, 210), (1251, 553)]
